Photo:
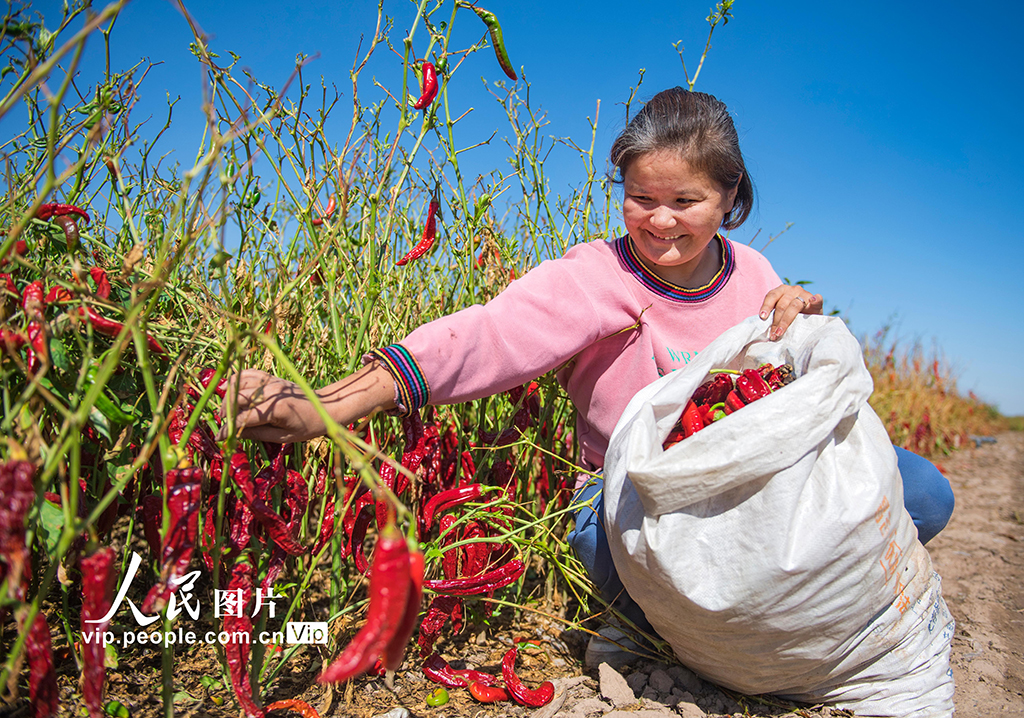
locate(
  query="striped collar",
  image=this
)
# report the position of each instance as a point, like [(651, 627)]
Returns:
[(628, 255)]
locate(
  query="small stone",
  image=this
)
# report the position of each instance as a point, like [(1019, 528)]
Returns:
[(398, 712), (481, 638), (636, 681), (685, 678), (660, 681), (652, 695), (614, 686), (689, 710), (557, 662)]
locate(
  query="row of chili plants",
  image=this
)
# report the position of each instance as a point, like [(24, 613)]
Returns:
[(132, 288)]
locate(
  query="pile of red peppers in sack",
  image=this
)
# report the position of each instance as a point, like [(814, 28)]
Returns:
[(721, 395)]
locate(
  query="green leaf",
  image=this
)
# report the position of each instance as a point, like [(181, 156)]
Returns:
[(50, 525)]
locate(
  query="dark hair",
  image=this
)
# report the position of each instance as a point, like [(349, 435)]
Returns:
[(699, 127)]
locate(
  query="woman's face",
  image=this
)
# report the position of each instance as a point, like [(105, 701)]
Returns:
[(672, 213)]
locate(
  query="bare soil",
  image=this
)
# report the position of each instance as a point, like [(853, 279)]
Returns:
[(980, 557)]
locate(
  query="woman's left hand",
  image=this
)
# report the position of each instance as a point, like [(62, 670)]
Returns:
[(787, 301)]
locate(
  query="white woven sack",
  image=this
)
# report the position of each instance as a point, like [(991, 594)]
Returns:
[(772, 549)]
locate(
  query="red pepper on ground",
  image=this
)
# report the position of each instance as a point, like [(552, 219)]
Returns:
[(390, 584), (429, 235), (98, 579), (429, 87), (487, 694), (437, 669), (294, 704), (534, 698)]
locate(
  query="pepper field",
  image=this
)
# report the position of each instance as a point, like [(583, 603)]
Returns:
[(132, 286)]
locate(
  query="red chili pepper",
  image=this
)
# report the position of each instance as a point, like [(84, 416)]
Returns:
[(294, 704), (429, 235), (392, 658), (447, 499), (38, 353), (42, 681), (390, 583), (271, 521), (692, 421), (429, 87), (98, 580), (473, 585), (332, 204), (110, 328), (57, 294), (441, 609), (11, 340), (488, 694), (8, 283), (32, 302), (438, 670), (751, 386), (238, 626), (46, 211), (326, 528), (534, 698), (183, 488), (733, 402), (99, 276)]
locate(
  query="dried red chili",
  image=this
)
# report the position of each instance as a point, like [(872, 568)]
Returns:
[(473, 585), (46, 211), (429, 92), (534, 698), (752, 386), (438, 670), (447, 499), (183, 488), (392, 658), (487, 694), (111, 328), (98, 579), (429, 235), (99, 277), (238, 626), (390, 584)]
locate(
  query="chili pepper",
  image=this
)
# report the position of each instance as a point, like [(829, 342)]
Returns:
[(301, 707), (69, 224), (429, 235), (692, 421), (99, 276), (110, 328), (395, 649), (390, 584), (429, 87), (720, 387), (206, 375), (98, 580), (362, 522), (717, 411), (57, 294), (331, 206), (42, 682), (46, 211), (11, 340), (183, 488), (496, 37), (441, 609), (151, 509), (473, 585), (271, 521), (32, 302), (38, 353), (238, 626), (534, 698), (733, 402), (487, 694), (8, 283), (751, 386), (437, 697), (447, 499), (438, 670)]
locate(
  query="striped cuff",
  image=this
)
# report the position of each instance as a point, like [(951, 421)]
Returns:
[(411, 390)]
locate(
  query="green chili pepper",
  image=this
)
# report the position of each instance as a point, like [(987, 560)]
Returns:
[(437, 698), (491, 21), (107, 406)]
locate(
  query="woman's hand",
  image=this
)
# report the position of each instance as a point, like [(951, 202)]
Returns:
[(787, 301), (270, 409)]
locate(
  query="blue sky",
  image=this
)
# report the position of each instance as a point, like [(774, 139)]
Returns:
[(889, 134)]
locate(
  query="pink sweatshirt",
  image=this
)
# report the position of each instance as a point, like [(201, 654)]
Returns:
[(609, 324)]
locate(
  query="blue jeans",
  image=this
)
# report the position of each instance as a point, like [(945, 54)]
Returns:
[(927, 496)]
